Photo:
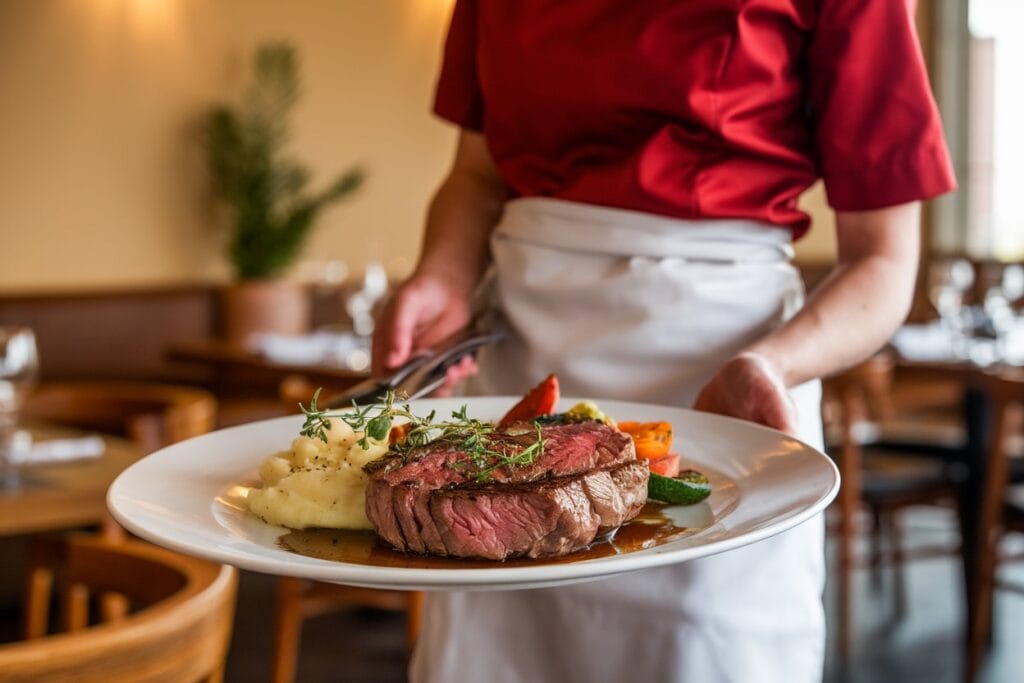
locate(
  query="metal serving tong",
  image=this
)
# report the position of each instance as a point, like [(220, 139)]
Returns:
[(422, 374)]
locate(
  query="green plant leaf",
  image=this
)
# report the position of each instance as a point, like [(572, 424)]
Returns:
[(273, 213), (344, 185)]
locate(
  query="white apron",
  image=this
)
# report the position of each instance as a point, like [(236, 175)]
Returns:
[(633, 306)]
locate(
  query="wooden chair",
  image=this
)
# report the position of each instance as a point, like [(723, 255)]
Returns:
[(883, 480), (152, 415), (179, 629), (999, 515), (298, 600)]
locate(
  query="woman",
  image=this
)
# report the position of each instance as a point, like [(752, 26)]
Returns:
[(630, 171)]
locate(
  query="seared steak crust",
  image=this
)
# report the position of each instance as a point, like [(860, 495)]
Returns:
[(587, 481)]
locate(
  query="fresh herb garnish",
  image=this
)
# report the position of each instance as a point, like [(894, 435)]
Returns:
[(524, 457), (475, 438)]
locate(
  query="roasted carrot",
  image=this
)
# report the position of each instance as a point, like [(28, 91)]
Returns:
[(652, 439)]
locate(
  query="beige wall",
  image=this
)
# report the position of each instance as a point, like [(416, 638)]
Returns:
[(819, 245), (101, 178)]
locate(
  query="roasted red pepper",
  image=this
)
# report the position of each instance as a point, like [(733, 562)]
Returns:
[(541, 400)]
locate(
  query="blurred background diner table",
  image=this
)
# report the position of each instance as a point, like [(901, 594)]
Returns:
[(55, 496), (134, 313)]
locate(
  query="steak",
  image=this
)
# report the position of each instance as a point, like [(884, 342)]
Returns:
[(586, 482)]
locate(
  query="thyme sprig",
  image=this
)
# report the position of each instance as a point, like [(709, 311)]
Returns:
[(475, 438), (524, 457), (377, 427)]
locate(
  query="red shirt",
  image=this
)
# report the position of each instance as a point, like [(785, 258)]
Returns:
[(699, 108)]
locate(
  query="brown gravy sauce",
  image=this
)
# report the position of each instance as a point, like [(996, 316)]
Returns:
[(649, 529)]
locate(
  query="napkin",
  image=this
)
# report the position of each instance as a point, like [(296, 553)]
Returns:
[(923, 342), (931, 342), (333, 348), (1015, 343), (59, 450)]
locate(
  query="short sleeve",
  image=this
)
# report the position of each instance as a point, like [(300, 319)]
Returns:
[(458, 98), (877, 129)]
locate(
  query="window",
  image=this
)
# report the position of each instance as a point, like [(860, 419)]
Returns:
[(995, 134), (978, 61)]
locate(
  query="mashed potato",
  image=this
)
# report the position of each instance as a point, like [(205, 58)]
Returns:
[(317, 484)]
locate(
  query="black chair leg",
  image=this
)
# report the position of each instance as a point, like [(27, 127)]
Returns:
[(877, 552), (899, 575)]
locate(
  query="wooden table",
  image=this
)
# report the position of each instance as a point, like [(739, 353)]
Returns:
[(231, 361), (61, 496), (972, 454)]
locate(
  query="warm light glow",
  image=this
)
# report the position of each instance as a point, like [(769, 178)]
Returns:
[(152, 23), (234, 497), (423, 16)]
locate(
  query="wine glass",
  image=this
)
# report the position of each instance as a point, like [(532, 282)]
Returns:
[(1013, 282), (948, 282), (19, 367), (362, 303), (1012, 324)]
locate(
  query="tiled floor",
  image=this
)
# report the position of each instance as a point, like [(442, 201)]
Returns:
[(363, 646), (925, 647)]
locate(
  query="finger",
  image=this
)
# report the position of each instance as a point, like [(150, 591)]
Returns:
[(451, 319), (451, 380), (778, 411), (379, 343), (397, 333), (462, 370), (706, 401), (382, 336), (456, 374), (444, 391), (403, 326), (468, 366)]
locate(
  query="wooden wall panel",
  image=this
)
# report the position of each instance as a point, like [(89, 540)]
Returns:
[(118, 335), (124, 334)]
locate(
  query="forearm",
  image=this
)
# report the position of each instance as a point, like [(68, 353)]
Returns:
[(460, 220), (435, 302), (856, 310), (851, 314)]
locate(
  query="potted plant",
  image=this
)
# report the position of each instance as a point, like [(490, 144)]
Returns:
[(272, 211)]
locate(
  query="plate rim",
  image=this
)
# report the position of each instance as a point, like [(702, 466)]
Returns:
[(499, 577)]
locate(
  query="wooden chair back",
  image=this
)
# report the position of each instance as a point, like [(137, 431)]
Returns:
[(849, 399), (178, 629), (863, 392), (153, 415), (1006, 389)]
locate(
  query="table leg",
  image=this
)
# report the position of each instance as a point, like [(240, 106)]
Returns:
[(978, 424)]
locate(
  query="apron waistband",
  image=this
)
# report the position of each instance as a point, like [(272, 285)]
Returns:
[(574, 226)]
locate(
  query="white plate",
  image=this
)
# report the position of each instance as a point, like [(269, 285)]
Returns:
[(186, 497)]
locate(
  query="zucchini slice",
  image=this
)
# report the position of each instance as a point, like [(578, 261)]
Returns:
[(688, 488)]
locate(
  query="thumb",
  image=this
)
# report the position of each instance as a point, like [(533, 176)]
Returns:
[(779, 412), (394, 343)]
